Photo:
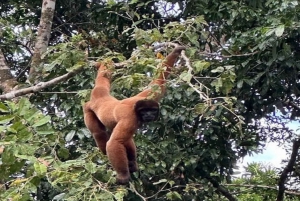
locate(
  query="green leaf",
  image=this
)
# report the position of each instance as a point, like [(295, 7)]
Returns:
[(24, 106), (8, 157), (5, 119), (91, 167), (199, 66), (70, 135), (258, 76), (3, 108), (2, 128), (85, 132), (249, 81), (111, 2), (200, 108), (178, 96), (58, 61), (137, 22), (31, 114), (63, 152), (269, 32), (26, 157), (219, 111), (185, 76), (59, 197), (220, 69), (163, 111), (106, 196), (133, 1), (217, 83), (40, 168), (120, 194), (193, 38), (78, 65), (173, 195), (279, 30), (200, 19), (240, 84), (44, 120), (44, 130)]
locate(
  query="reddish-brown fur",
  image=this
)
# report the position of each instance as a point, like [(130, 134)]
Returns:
[(103, 111)]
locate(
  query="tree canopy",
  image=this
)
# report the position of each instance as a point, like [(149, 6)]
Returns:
[(234, 89)]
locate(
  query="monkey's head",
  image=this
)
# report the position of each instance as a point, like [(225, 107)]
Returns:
[(146, 110)]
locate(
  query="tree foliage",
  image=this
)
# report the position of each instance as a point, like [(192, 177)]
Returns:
[(258, 184)]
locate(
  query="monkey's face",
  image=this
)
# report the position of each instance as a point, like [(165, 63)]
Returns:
[(148, 114), (147, 110)]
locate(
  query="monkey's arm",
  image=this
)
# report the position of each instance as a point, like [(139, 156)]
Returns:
[(102, 83), (161, 80)]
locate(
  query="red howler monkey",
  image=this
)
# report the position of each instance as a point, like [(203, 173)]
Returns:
[(123, 117)]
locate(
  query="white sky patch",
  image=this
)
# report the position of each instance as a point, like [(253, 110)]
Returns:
[(272, 155), (168, 9)]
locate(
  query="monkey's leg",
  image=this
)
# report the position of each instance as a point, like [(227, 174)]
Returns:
[(117, 156), (96, 128), (131, 155), (116, 149)]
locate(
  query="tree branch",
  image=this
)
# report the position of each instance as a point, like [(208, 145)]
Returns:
[(292, 104), (207, 54), (221, 189), (289, 168), (40, 86), (42, 39), (136, 192)]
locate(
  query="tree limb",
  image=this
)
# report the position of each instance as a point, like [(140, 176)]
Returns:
[(40, 86), (289, 168), (221, 189), (42, 39), (207, 54)]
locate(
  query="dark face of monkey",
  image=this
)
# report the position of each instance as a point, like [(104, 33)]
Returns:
[(147, 110), (148, 114)]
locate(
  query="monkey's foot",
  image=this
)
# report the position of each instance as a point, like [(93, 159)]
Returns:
[(133, 167), (123, 179)]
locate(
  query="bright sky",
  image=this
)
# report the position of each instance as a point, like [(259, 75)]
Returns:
[(273, 153)]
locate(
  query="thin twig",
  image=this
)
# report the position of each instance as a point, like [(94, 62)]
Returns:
[(59, 92), (160, 190), (136, 192), (187, 62), (227, 56)]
